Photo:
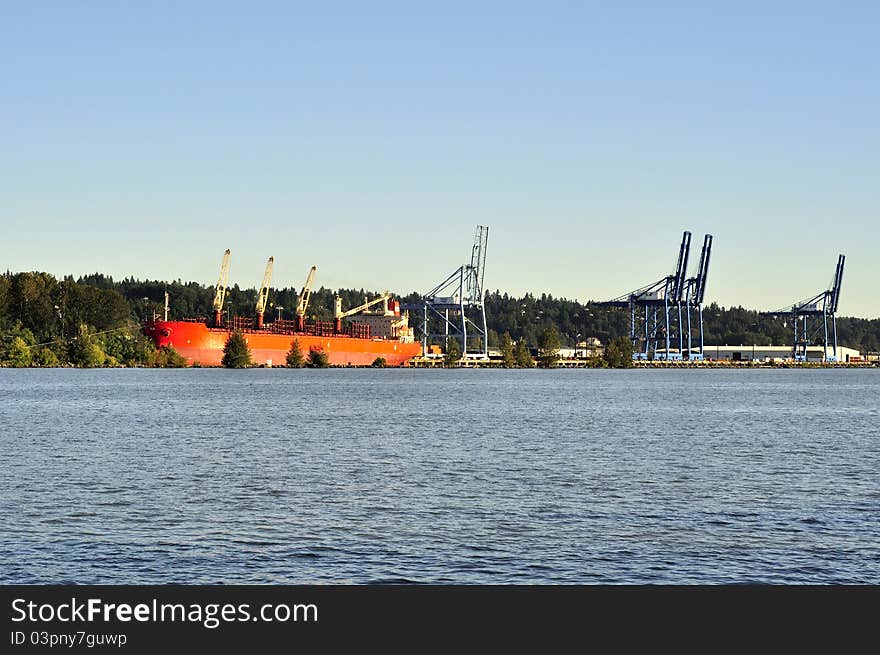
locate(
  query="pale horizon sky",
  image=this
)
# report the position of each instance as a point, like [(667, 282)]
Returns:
[(144, 139)]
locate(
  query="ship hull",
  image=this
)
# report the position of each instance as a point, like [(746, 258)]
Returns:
[(203, 346)]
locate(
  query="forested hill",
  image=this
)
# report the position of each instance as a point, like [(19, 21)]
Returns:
[(38, 309)]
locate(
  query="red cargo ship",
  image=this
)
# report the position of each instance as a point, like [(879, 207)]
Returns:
[(384, 334), (373, 334)]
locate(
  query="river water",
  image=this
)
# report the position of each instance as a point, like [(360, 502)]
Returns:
[(435, 476)]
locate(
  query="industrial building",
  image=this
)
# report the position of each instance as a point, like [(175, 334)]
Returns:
[(747, 353)]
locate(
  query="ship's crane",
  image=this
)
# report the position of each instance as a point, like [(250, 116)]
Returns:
[(338, 314), (263, 295), (220, 293), (303, 301)]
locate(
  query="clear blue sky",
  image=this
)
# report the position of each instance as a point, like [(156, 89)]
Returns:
[(370, 139)]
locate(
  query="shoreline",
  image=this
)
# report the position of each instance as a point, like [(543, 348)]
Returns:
[(478, 364)]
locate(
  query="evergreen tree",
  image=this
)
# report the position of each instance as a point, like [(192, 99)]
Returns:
[(318, 358), (453, 352), (548, 348), (508, 359), (236, 353), (295, 358), (523, 356), (618, 353)]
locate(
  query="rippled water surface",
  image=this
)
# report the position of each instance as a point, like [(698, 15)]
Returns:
[(469, 476)]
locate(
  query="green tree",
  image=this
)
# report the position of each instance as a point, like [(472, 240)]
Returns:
[(32, 303), (45, 357), (523, 356), (618, 353), (5, 299), (318, 358), (103, 309), (453, 352), (84, 350), (129, 346), (548, 347), (379, 362), (508, 358), (295, 358), (11, 342), (18, 354), (236, 353)]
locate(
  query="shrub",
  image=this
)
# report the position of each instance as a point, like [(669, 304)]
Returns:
[(318, 358)]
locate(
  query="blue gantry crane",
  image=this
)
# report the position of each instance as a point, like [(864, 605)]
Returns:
[(645, 304), (672, 294), (694, 294), (455, 307), (823, 304)]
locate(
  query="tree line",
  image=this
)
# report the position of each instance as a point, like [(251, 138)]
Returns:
[(49, 322), (95, 320), (516, 354)]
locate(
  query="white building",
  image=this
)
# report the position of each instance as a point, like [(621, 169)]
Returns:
[(773, 353)]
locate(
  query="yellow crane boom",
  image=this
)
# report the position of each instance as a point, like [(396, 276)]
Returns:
[(263, 295), (339, 314), (303, 300), (220, 292)]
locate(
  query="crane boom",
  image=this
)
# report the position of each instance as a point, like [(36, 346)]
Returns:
[(681, 268), (339, 314), (703, 270), (838, 281), (220, 292), (263, 295), (303, 301), (305, 293)]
